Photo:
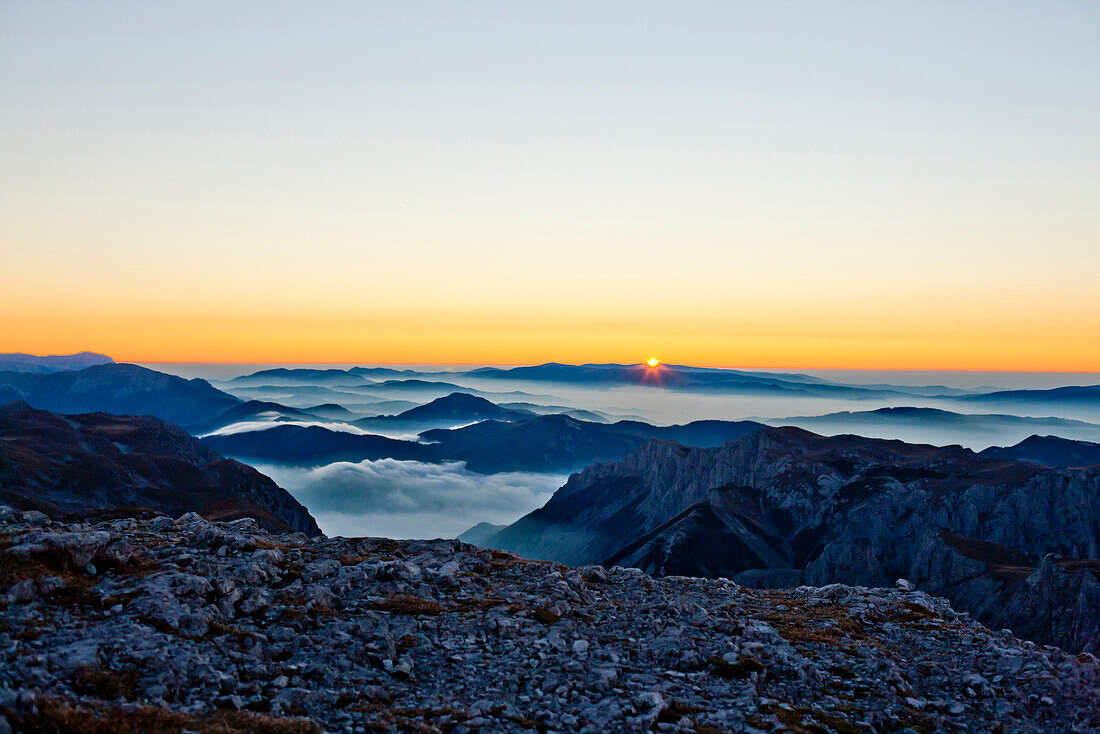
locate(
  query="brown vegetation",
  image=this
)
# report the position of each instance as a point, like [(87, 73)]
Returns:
[(62, 717), (406, 604)]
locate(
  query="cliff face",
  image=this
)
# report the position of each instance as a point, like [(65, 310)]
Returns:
[(784, 507), (84, 464)]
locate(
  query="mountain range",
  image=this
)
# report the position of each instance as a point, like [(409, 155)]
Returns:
[(124, 389), (784, 507), (18, 362), (549, 443), (80, 465), (933, 425)]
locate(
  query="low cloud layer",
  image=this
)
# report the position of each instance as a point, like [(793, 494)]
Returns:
[(410, 499), (263, 425)]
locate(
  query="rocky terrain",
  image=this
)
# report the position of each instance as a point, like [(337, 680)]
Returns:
[(99, 463), (161, 624), (784, 507)]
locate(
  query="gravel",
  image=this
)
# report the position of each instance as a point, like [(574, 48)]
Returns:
[(154, 623)]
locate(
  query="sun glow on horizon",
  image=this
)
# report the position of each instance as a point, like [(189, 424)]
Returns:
[(454, 194)]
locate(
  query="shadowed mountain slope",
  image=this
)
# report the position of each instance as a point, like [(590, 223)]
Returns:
[(83, 464)]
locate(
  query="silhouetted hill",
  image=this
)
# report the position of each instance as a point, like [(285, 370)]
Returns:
[(382, 371), (546, 443), (125, 389), (314, 445), (453, 409), (331, 411), (300, 376), (84, 464), (418, 386), (1049, 451), (560, 443)]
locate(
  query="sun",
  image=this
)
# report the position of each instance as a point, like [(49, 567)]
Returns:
[(653, 361)]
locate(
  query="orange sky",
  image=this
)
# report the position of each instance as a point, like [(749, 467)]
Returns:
[(848, 185), (881, 332)]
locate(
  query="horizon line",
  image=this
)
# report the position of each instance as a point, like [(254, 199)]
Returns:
[(625, 364)]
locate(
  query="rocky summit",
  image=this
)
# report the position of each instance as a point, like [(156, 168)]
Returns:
[(161, 624)]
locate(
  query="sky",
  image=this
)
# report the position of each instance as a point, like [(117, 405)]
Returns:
[(777, 184)]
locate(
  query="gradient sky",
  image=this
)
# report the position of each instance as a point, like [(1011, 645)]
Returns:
[(880, 185)]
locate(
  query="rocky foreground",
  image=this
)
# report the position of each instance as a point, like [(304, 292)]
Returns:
[(155, 624)]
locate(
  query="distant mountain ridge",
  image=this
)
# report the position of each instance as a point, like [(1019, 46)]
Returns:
[(1049, 451), (694, 379), (19, 362), (123, 389), (921, 424), (549, 443), (679, 377), (78, 465)]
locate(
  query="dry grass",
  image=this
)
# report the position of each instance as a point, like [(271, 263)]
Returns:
[(403, 719), (829, 624), (54, 562), (104, 684), (476, 604), (676, 711), (545, 616), (745, 666), (62, 717), (218, 627), (406, 604)]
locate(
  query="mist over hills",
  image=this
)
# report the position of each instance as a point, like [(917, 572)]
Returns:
[(765, 506), (253, 410), (941, 427), (454, 409), (552, 443)]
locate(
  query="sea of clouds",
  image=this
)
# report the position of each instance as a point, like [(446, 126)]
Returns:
[(411, 499)]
